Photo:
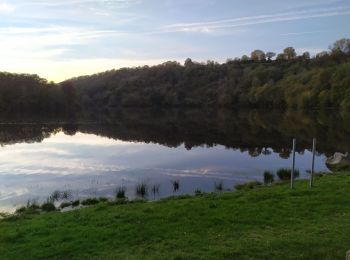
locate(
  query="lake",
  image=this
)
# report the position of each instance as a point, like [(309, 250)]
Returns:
[(92, 155)]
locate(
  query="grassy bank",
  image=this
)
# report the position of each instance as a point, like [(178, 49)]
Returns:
[(264, 223)]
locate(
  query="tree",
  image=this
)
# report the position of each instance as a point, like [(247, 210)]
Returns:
[(321, 54), (341, 46), (289, 53), (280, 56), (188, 62), (306, 55), (244, 58), (258, 55), (270, 55)]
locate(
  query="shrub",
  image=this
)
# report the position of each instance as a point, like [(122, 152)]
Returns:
[(48, 206), (103, 199), (284, 174), (268, 177), (248, 185)]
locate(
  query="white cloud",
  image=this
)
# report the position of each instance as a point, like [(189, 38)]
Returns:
[(253, 20), (6, 7)]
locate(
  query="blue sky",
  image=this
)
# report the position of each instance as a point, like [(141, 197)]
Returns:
[(66, 38)]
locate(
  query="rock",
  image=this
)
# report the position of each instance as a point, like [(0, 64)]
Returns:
[(339, 162)]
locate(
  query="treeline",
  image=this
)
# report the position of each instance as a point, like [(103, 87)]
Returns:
[(259, 81), (30, 93), (289, 81)]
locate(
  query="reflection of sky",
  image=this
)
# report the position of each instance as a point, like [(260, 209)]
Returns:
[(90, 165)]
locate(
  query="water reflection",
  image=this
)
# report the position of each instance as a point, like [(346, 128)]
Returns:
[(93, 155)]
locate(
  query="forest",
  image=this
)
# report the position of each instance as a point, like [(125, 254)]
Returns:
[(260, 80)]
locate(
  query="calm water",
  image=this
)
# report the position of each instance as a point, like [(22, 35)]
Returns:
[(92, 155)]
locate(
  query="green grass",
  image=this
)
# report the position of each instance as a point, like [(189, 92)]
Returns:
[(262, 223)]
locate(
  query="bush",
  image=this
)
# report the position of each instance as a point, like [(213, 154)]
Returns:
[(248, 185), (268, 177), (48, 206), (284, 174)]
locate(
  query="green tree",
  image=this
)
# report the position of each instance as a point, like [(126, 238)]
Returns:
[(270, 55), (289, 53), (258, 55)]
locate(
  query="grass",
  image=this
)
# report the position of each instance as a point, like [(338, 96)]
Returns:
[(271, 222), (248, 185)]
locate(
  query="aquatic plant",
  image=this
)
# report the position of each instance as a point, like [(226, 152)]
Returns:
[(120, 192), (103, 199), (75, 203), (219, 186), (48, 206), (55, 196), (155, 190), (65, 195), (198, 192), (90, 201), (142, 190), (65, 204), (176, 185), (269, 177), (284, 174)]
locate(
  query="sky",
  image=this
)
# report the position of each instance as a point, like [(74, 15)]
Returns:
[(66, 38)]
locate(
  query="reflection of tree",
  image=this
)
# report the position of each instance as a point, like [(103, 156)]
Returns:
[(249, 131), (284, 153)]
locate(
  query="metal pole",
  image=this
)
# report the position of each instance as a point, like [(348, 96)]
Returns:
[(313, 161), (293, 167)]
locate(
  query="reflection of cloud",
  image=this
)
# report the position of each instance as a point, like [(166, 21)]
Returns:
[(84, 139), (7, 192), (52, 151)]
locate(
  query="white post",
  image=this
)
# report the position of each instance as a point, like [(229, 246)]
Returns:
[(313, 161), (293, 167)]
